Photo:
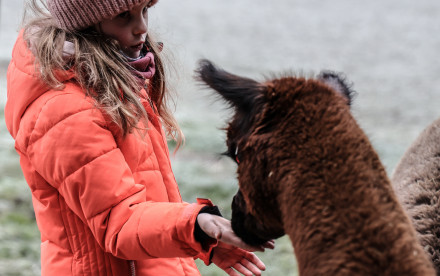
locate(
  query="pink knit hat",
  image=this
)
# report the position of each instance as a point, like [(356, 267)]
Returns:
[(79, 14)]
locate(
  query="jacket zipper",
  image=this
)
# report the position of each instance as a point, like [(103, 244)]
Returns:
[(132, 268)]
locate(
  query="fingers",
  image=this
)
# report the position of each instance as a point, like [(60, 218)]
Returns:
[(246, 270), (245, 267), (253, 263), (269, 244), (236, 261)]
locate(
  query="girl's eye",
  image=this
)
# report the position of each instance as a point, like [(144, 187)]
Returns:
[(145, 10), (124, 15)]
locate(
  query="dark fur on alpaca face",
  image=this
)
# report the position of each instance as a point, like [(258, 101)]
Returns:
[(247, 227), (259, 108)]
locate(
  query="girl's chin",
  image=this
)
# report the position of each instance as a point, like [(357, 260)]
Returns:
[(132, 53)]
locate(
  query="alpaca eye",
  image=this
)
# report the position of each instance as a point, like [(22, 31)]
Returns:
[(237, 157), (232, 153)]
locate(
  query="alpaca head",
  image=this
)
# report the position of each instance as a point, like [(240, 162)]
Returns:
[(272, 122)]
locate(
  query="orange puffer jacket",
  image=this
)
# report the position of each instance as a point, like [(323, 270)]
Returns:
[(100, 200)]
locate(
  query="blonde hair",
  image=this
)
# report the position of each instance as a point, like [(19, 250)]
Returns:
[(100, 69)]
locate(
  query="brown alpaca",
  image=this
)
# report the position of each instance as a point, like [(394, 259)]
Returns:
[(305, 168), (416, 181)]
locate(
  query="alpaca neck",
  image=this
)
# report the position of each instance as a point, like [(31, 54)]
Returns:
[(352, 228)]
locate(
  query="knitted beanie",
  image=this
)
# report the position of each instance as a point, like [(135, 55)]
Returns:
[(74, 15)]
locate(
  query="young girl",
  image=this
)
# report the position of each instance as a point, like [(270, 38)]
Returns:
[(87, 109)]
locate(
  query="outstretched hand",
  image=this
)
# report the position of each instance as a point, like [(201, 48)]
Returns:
[(233, 260), (220, 229), (229, 253)]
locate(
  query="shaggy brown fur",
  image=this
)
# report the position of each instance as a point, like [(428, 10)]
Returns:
[(305, 168), (416, 180)]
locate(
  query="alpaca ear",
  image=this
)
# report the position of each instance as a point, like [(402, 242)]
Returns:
[(337, 82), (241, 93)]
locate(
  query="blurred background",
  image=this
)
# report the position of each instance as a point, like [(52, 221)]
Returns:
[(389, 50)]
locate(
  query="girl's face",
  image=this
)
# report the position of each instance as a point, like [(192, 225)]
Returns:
[(129, 28)]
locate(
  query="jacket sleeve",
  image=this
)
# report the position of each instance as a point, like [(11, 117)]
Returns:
[(74, 151)]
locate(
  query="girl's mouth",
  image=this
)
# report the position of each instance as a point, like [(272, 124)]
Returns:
[(137, 47)]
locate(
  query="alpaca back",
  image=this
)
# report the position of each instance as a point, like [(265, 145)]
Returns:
[(416, 181)]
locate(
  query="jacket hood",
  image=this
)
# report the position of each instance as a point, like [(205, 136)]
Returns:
[(24, 84)]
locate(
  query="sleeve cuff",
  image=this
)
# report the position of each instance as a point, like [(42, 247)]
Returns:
[(206, 241), (200, 236)]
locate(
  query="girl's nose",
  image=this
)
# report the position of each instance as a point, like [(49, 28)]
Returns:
[(141, 26)]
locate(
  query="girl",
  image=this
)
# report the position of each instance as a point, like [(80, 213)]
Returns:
[(87, 109)]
